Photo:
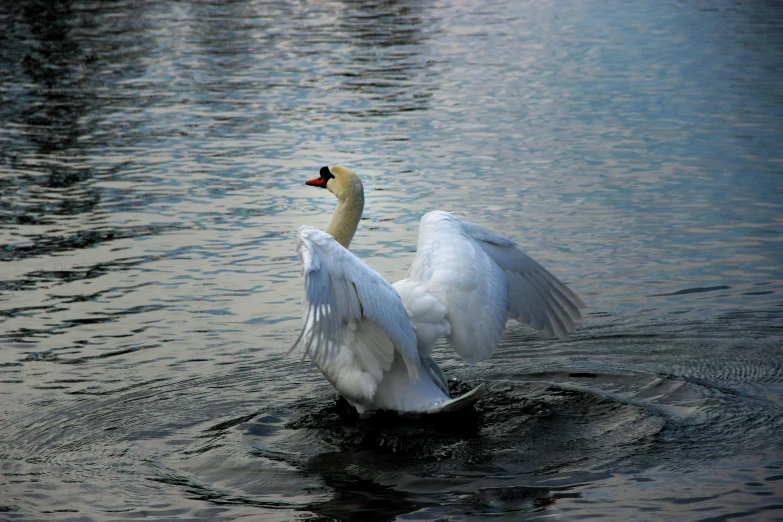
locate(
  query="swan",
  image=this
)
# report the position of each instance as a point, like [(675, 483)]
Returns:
[(373, 340)]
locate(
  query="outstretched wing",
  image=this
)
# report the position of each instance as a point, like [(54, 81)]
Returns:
[(455, 270), (482, 279), (343, 295), (536, 297)]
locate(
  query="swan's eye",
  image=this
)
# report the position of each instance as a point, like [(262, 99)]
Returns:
[(326, 174)]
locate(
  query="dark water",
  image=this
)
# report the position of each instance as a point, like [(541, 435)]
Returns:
[(152, 159)]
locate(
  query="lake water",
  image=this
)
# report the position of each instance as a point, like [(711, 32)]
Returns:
[(152, 164)]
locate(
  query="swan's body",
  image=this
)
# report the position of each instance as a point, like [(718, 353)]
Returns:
[(373, 341)]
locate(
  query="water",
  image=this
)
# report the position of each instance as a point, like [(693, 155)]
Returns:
[(153, 159)]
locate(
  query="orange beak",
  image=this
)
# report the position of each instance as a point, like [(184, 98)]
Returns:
[(316, 182)]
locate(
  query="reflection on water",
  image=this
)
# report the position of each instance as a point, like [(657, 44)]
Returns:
[(152, 156)]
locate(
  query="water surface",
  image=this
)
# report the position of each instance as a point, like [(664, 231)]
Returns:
[(152, 160)]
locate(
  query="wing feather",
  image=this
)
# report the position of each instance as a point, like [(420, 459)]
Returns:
[(482, 279), (348, 303), (454, 269), (553, 306)]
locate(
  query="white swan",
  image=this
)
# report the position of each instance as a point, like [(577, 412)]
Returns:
[(373, 341)]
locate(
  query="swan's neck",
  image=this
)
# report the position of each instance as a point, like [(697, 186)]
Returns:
[(346, 217)]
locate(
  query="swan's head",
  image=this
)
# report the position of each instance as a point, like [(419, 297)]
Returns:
[(340, 181)]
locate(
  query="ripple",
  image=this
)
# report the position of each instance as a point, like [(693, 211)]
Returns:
[(696, 290)]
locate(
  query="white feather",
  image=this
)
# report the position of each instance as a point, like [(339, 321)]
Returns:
[(347, 304)]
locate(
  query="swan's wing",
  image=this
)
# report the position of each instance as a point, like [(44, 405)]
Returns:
[(461, 277), (536, 297), (343, 293), (480, 279)]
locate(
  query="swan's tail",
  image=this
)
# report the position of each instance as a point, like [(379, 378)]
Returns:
[(460, 403)]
